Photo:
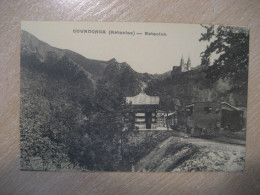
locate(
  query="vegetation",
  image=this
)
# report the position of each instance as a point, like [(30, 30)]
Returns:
[(74, 113), (231, 44), (223, 80), (66, 119)]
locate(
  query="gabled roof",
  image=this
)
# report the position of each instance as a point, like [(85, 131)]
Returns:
[(229, 105), (143, 99)]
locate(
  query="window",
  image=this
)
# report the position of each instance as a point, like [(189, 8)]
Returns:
[(207, 110), (189, 111)]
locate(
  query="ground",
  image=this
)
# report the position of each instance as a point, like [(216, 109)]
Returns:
[(180, 152), (214, 156)]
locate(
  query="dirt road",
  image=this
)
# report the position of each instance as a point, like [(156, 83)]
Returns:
[(214, 156), (182, 153)]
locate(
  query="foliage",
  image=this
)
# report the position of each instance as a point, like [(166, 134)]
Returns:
[(65, 117), (71, 121), (224, 80), (231, 44), (104, 129), (176, 91), (49, 114), (138, 144), (122, 78)]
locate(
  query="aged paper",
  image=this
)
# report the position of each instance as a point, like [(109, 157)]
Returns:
[(140, 97)]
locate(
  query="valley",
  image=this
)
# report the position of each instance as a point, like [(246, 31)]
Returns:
[(74, 114)]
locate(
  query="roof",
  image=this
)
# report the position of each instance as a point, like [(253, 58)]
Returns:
[(143, 99), (222, 104), (171, 113), (207, 103), (227, 104)]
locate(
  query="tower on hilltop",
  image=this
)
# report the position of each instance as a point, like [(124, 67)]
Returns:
[(184, 67)]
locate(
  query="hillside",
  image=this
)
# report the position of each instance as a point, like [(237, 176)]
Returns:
[(67, 103), (55, 95), (178, 154), (73, 109), (223, 79), (110, 72), (31, 46), (125, 79), (182, 88)]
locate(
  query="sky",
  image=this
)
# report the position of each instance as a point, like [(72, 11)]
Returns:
[(144, 53)]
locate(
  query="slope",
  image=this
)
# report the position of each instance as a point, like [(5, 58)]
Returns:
[(30, 45)]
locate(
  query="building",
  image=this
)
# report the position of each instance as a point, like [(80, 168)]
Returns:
[(208, 118), (232, 118), (144, 108), (184, 67)]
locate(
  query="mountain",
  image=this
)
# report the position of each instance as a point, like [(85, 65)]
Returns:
[(73, 109), (30, 45), (199, 84), (95, 69), (125, 79), (65, 97)]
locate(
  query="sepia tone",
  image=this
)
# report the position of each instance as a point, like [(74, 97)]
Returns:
[(15, 181), (87, 114)]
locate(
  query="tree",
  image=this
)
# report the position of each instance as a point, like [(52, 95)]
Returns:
[(103, 138), (207, 36), (231, 45), (167, 104)]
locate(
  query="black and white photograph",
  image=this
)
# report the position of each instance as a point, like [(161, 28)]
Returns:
[(133, 97)]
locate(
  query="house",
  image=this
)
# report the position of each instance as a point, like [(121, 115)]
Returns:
[(211, 116), (144, 109), (232, 118)]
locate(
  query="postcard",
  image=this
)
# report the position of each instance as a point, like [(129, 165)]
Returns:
[(133, 97)]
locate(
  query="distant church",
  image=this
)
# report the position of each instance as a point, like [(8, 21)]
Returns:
[(183, 67)]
